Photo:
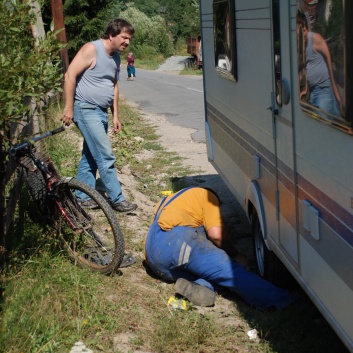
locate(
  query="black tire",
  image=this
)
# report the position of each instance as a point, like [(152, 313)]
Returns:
[(267, 263), (38, 191), (92, 238), (37, 188)]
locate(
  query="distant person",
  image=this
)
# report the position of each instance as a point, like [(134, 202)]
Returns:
[(187, 243), (90, 88), (323, 91), (130, 66)]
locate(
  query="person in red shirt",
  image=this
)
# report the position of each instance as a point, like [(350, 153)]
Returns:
[(130, 65)]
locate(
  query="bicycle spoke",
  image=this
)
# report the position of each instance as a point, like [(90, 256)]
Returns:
[(89, 235)]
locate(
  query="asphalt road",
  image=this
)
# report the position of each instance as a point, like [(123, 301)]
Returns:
[(177, 97)]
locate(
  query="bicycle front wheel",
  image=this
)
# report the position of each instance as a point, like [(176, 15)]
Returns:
[(92, 237)]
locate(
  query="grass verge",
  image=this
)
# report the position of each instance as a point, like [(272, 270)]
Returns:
[(48, 304), (151, 63)]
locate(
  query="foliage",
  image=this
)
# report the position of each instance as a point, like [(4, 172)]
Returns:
[(151, 34), (29, 68), (85, 20), (336, 19), (148, 7), (183, 18), (335, 31), (156, 21)]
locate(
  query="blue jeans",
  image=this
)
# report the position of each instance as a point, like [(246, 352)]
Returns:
[(97, 153), (185, 252), (131, 71), (322, 97)]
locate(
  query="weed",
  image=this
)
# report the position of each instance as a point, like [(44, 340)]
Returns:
[(150, 63), (191, 71)]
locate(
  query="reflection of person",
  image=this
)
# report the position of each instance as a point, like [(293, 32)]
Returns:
[(324, 93), (130, 65), (90, 88), (187, 243)]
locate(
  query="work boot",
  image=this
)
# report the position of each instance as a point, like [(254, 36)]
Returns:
[(123, 206), (89, 204), (194, 293)]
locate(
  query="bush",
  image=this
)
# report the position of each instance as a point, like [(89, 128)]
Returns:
[(29, 68), (149, 33)]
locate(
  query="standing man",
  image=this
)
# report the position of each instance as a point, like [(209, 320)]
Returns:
[(90, 88), (187, 243)]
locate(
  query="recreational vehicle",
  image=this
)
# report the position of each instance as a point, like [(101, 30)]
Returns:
[(278, 102)]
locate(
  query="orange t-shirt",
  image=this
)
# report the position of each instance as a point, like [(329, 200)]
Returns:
[(193, 208)]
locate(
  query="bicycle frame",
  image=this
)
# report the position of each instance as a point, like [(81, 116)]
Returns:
[(51, 180), (98, 245)]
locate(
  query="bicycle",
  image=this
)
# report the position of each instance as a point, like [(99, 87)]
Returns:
[(91, 237)]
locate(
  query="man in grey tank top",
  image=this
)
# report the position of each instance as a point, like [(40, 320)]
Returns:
[(324, 93), (90, 88)]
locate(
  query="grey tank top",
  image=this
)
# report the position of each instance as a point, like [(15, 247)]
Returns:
[(316, 66), (96, 85)]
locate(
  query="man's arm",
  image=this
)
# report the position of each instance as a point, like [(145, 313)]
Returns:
[(84, 59), (115, 109), (219, 237)]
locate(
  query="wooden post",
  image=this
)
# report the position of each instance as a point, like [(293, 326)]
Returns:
[(58, 18)]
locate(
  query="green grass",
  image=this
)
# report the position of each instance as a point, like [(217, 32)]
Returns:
[(151, 63), (191, 71), (48, 304)]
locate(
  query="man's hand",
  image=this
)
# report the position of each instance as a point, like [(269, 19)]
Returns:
[(219, 237), (116, 125), (67, 117)]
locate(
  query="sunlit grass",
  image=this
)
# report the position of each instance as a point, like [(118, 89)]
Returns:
[(149, 63), (48, 304)]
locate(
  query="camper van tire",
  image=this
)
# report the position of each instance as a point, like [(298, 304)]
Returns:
[(267, 263)]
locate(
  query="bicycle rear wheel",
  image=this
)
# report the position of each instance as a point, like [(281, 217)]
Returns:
[(92, 238), (36, 184)]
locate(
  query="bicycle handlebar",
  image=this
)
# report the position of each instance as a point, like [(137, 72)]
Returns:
[(27, 143)]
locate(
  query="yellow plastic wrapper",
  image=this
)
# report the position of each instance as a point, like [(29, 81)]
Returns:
[(178, 304), (166, 192)]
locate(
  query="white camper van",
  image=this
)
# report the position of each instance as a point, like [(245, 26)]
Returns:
[(278, 81)]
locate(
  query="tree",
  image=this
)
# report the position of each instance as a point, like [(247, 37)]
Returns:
[(148, 7), (183, 18), (85, 20), (30, 70), (151, 34)]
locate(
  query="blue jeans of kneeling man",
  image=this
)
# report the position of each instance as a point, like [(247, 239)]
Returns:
[(185, 252)]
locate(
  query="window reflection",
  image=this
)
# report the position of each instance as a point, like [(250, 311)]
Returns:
[(223, 19), (321, 60), (277, 51)]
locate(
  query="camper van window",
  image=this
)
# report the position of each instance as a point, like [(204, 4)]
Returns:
[(277, 51), (324, 46), (224, 38)]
